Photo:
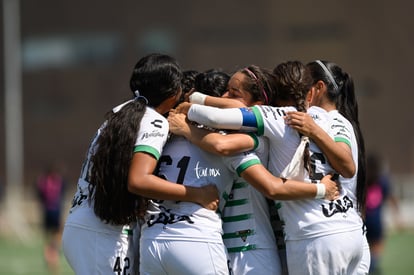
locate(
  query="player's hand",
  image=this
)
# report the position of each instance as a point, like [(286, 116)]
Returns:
[(210, 197), (178, 124), (183, 107), (332, 188), (302, 122)]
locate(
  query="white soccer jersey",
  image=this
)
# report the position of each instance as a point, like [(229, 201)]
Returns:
[(304, 218), (248, 234), (151, 137), (185, 163), (246, 221), (83, 229), (312, 218), (264, 120)]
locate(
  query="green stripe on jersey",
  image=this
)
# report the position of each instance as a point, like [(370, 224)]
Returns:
[(225, 196), (147, 149), (246, 165), (239, 185), (278, 205), (236, 202), (241, 248), (344, 140), (238, 234), (128, 232), (259, 120), (237, 218)]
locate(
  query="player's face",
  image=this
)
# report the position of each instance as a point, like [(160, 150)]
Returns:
[(235, 89)]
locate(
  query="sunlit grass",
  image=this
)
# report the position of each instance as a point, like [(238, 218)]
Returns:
[(18, 257)]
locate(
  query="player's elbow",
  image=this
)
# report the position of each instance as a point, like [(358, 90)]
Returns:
[(348, 174), (134, 185), (347, 171), (273, 194), (221, 148)]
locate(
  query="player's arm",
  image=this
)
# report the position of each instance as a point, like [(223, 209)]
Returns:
[(230, 119), (213, 142), (285, 189), (239, 119), (141, 181), (220, 102), (338, 153)]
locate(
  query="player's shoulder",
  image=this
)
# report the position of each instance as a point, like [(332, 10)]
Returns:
[(315, 110), (319, 115), (154, 118), (280, 111), (150, 112), (337, 118)]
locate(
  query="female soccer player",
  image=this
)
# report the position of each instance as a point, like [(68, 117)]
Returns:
[(333, 96), (120, 163)]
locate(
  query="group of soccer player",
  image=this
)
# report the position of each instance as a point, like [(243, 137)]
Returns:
[(257, 172)]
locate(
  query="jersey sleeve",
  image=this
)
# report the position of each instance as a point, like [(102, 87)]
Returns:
[(239, 163), (231, 118), (152, 135), (342, 131)]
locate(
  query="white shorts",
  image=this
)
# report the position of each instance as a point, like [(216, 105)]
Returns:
[(365, 263), (339, 253), (257, 261), (89, 252), (182, 258)]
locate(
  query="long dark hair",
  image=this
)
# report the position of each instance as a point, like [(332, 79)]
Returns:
[(155, 78), (340, 87)]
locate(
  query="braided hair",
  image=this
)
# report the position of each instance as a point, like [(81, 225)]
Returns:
[(293, 84)]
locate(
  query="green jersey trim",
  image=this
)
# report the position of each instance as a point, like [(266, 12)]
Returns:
[(255, 140), (147, 149), (259, 120), (246, 165), (344, 140)]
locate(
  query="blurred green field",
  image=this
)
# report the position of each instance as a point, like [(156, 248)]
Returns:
[(26, 258), (397, 259), (18, 258)]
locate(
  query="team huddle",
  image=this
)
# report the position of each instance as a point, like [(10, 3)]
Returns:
[(257, 172)]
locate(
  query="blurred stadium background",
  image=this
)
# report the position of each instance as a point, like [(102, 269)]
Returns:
[(74, 60)]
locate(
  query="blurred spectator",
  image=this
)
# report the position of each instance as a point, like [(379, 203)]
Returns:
[(50, 188), (378, 194)]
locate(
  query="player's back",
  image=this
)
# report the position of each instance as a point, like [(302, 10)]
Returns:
[(184, 163)]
